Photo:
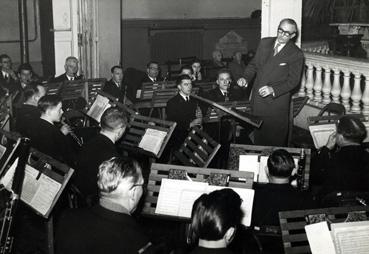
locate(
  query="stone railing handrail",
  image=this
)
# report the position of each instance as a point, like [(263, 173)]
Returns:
[(336, 79)]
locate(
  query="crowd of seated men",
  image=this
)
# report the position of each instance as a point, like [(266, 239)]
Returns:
[(110, 186)]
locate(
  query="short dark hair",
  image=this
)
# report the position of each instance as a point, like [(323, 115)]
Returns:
[(2, 56), (151, 62), (25, 67), (186, 67), (48, 101), (31, 90), (280, 163), (351, 128), (214, 213), (112, 171), (289, 21), (182, 77), (224, 70), (115, 67), (196, 60), (113, 118)]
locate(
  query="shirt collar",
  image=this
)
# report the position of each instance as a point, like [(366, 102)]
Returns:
[(183, 96), (5, 73)]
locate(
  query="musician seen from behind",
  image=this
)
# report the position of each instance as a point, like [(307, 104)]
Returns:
[(45, 133), (183, 110), (100, 148), (342, 165), (29, 112), (277, 68), (114, 85), (107, 227), (215, 218), (71, 68)]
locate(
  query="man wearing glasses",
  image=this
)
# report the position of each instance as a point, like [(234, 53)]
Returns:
[(277, 65)]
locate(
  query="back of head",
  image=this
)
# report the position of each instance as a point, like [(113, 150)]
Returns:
[(351, 128), (214, 213), (113, 119), (31, 90), (47, 102), (280, 164)]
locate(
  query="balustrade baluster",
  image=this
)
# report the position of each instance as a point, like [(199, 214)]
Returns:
[(318, 84), (327, 86), (346, 92), (336, 88), (302, 86), (356, 94), (365, 98), (309, 81)]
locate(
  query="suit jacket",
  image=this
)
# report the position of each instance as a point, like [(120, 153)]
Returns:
[(282, 72), (111, 88), (7, 83), (183, 113), (25, 116), (63, 77), (91, 156), (217, 96), (147, 79)]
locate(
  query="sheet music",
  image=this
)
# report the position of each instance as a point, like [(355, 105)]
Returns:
[(249, 163), (2, 151), (178, 194), (176, 198), (351, 237), (138, 93), (98, 107), (263, 169), (320, 133), (319, 238), (37, 193), (152, 140)]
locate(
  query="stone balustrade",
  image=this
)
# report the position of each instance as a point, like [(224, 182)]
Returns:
[(336, 79)]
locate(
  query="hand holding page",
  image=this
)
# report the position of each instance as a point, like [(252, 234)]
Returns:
[(152, 140), (319, 238)]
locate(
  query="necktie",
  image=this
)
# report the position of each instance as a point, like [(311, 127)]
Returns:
[(226, 96), (276, 48), (187, 99)]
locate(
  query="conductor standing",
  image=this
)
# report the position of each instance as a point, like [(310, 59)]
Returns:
[(277, 65)]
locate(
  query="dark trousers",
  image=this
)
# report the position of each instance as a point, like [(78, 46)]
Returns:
[(273, 131)]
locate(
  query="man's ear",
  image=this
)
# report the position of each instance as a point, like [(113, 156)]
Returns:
[(293, 35), (229, 235)]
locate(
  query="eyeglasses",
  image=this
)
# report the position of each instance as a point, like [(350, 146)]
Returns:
[(285, 33)]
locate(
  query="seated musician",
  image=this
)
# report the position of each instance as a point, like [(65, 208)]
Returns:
[(152, 71), (343, 164), (196, 70), (114, 85), (214, 220), (107, 227), (28, 112), (186, 70), (183, 110), (278, 194), (71, 71), (46, 136), (102, 147)]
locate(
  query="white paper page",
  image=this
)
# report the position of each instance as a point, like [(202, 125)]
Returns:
[(247, 195), (152, 140), (320, 133), (171, 192), (138, 93), (188, 198), (319, 238), (249, 163), (98, 107), (351, 237), (37, 193), (263, 167), (367, 130), (294, 171), (2, 151)]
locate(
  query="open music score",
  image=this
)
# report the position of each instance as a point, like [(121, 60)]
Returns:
[(176, 198), (152, 140)]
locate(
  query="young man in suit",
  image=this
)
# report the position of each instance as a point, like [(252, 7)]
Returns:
[(7, 75), (114, 85), (71, 71), (277, 65)]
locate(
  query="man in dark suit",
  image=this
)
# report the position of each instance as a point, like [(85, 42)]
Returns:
[(107, 227), (114, 85), (7, 75), (100, 148), (183, 110), (71, 71), (25, 76), (28, 112), (277, 65), (152, 71)]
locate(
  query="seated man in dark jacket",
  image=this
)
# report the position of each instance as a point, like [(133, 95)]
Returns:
[(278, 194), (107, 227), (114, 85), (100, 148), (343, 164)]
